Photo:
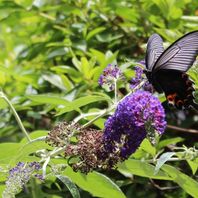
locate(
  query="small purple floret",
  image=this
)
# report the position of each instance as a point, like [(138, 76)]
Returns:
[(110, 74), (138, 77)]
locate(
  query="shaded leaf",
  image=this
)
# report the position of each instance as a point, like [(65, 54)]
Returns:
[(55, 80), (162, 160), (70, 185), (184, 181)]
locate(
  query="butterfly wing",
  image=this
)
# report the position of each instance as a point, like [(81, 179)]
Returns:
[(177, 87), (180, 55), (154, 50)]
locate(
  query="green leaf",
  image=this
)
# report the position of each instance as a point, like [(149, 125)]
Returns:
[(2, 188), (66, 109), (143, 169), (184, 181), (65, 69), (10, 5), (66, 82), (11, 149), (45, 99), (85, 67), (162, 160), (70, 185), (100, 57), (76, 63), (169, 141), (55, 80), (26, 151), (34, 135), (2, 78), (88, 99), (81, 102), (58, 52), (147, 146), (95, 183), (3, 175), (193, 165), (3, 103), (190, 18), (127, 13), (94, 32)]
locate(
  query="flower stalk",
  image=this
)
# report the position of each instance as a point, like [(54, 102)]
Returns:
[(2, 95)]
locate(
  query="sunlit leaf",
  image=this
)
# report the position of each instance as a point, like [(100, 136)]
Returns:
[(93, 181), (143, 169), (94, 32), (146, 146), (81, 102), (46, 99), (11, 149)]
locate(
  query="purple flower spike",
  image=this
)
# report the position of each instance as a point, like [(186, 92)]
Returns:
[(138, 77), (138, 114), (110, 74), (19, 176)]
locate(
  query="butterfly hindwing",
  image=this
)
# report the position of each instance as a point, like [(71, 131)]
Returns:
[(177, 87)]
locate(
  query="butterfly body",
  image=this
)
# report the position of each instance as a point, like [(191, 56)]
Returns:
[(166, 69)]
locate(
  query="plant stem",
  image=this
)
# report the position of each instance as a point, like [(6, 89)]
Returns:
[(115, 91), (45, 166), (33, 187), (104, 112), (84, 115), (174, 159), (2, 95), (134, 89)]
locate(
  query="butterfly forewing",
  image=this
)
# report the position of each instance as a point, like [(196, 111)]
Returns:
[(154, 50), (180, 55)]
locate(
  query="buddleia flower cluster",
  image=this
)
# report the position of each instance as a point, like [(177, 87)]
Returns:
[(84, 154), (61, 134), (19, 176), (110, 74), (136, 116), (87, 153)]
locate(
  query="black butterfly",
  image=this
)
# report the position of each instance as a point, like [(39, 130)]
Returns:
[(166, 70)]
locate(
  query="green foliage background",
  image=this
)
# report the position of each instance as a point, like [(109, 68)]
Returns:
[(52, 54)]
